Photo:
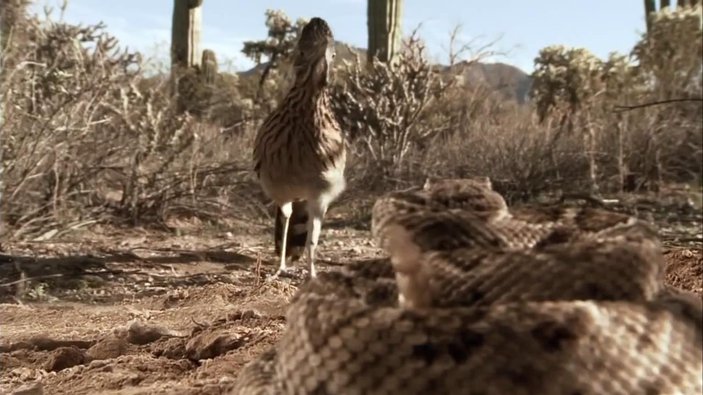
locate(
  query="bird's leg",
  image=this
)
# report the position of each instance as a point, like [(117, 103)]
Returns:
[(314, 228), (287, 210), (316, 213)]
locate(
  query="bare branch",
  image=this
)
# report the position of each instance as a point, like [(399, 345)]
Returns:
[(621, 108)]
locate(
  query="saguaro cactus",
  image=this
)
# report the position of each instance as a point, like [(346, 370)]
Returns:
[(208, 66), (190, 69), (650, 7), (384, 27), (185, 33), (12, 15)]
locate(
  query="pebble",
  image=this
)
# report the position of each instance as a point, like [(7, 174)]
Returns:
[(35, 388)]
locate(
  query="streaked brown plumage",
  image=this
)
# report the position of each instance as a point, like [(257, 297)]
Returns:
[(299, 152)]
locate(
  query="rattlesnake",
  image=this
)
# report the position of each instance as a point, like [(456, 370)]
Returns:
[(476, 299)]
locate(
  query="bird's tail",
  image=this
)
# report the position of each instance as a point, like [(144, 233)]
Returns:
[(297, 230)]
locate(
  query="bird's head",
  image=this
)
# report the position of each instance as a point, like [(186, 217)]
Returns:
[(314, 53)]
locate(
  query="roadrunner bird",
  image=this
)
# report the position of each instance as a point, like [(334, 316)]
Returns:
[(299, 152)]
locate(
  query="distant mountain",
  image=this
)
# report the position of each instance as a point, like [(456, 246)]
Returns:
[(509, 81), (349, 52), (344, 52)]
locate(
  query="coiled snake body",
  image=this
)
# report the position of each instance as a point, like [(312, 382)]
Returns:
[(476, 299)]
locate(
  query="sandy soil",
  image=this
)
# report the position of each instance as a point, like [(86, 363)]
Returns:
[(143, 312)]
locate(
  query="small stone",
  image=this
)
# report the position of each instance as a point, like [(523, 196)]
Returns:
[(108, 348), (225, 380), (64, 358), (35, 388), (212, 344)]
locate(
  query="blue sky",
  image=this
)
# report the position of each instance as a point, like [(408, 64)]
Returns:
[(521, 27)]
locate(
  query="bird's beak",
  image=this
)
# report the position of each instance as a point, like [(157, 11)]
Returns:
[(330, 54)]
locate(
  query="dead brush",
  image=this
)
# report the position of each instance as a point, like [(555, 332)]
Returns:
[(383, 106), (523, 158), (567, 139), (88, 137)]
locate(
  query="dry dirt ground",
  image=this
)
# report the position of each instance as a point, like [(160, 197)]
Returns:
[(144, 312)]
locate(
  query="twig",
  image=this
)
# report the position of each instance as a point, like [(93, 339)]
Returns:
[(200, 325), (621, 108), (688, 240), (587, 197), (28, 279), (258, 269)]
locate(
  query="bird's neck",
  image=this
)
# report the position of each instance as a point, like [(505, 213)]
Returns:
[(306, 90), (307, 97)]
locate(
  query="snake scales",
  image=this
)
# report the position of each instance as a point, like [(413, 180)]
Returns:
[(476, 299)]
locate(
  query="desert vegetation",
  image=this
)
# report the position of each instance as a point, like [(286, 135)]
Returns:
[(92, 141), (89, 137)]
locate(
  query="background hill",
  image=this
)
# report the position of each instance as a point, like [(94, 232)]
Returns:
[(510, 82)]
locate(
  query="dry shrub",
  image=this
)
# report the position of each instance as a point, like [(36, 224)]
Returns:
[(507, 144), (413, 121), (88, 138), (384, 109), (217, 102), (669, 138), (652, 145)]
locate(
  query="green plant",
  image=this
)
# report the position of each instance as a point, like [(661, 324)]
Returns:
[(185, 34), (208, 67), (193, 73), (276, 48), (384, 29), (650, 8)]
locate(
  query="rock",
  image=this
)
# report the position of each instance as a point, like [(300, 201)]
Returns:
[(211, 344), (140, 333), (64, 358), (173, 348), (35, 388), (107, 348)]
